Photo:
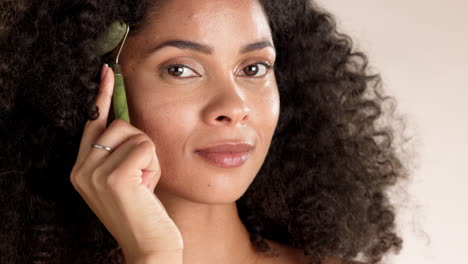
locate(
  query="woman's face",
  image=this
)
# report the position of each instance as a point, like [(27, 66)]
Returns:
[(196, 76)]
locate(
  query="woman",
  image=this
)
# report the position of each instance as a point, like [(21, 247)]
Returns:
[(252, 138)]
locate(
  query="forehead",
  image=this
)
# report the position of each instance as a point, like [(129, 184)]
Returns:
[(207, 20)]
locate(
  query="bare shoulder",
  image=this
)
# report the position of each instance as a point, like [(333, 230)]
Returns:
[(290, 255), (283, 254)]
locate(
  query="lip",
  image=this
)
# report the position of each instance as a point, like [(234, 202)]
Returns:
[(228, 155), (228, 147)]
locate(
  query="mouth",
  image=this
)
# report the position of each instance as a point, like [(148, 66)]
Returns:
[(226, 155)]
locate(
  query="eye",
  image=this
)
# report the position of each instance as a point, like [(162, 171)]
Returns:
[(180, 71), (256, 69)]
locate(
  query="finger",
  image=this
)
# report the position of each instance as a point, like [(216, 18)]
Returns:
[(118, 132), (126, 182), (94, 128), (125, 166), (95, 177)]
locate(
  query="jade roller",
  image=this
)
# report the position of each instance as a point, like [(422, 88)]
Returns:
[(116, 33)]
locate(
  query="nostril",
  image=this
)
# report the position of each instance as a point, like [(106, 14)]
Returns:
[(219, 118)]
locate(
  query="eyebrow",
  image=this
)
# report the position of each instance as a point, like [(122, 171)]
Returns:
[(187, 44)]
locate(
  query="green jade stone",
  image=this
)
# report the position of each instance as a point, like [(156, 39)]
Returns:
[(110, 38), (119, 98)]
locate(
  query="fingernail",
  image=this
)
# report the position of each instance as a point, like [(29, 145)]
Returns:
[(104, 70)]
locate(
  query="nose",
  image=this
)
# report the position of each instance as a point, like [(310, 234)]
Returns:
[(227, 107)]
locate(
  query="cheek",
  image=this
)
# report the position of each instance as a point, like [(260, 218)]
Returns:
[(267, 107), (164, 116), (169, 125)]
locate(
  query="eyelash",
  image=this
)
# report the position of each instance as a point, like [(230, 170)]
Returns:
[(267, 65)]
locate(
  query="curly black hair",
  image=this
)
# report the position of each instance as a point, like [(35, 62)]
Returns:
[(322, 188)]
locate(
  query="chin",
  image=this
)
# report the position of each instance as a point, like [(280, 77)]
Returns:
[(214, 188), (215, 198)]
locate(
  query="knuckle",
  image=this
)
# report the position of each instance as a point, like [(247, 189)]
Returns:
[(73, 180), (94, 178), (113, 181), (119, 125), (146, 146), (76, 178), (72, 175), (139, 138), (96, 123), (142, 136)]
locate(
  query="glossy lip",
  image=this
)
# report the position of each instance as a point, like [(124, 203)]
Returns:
[(228, 147), (228, 155)]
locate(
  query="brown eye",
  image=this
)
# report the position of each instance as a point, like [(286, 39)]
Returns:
[(175, 71), (251, 70), (180, 71), (256, 70)]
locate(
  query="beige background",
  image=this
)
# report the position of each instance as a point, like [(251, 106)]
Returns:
[(421, 50)]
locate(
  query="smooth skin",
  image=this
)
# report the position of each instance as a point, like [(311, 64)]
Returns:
[(182, 98)]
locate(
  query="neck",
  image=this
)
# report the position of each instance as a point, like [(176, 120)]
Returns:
[(212, 233)]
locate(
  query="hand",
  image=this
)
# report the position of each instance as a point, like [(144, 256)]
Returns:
[(119, 185)]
